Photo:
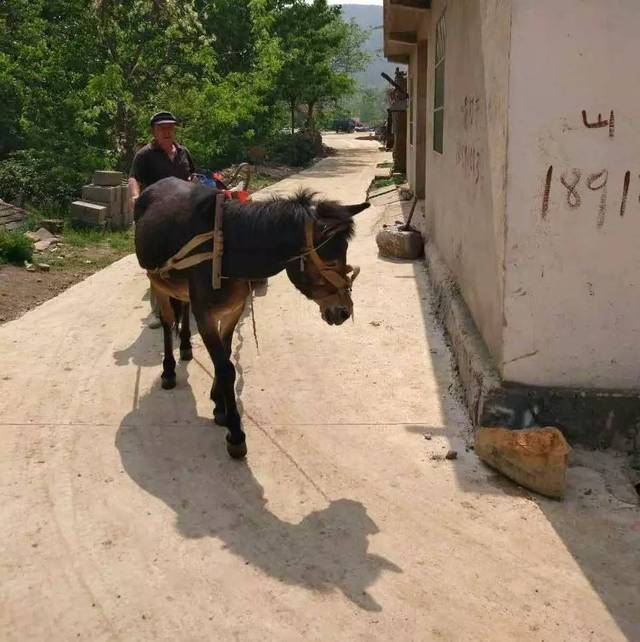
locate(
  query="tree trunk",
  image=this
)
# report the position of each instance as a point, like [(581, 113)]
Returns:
[(126, 138), (293, 117), (310, 117)]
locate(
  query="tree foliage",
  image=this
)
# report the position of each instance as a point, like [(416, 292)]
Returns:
[(80, 78), (320, 53), (369, 104)]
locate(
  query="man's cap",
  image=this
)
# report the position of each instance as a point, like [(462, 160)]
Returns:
[(162, 117)]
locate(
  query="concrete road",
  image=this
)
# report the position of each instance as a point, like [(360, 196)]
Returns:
[(122, 518)]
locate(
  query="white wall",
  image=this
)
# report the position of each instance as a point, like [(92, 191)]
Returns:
[(572, 290), (465, 186)]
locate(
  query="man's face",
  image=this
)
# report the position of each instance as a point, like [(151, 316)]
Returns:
[(164, 134)]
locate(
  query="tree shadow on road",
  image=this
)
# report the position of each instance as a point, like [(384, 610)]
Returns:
[(180, 457)]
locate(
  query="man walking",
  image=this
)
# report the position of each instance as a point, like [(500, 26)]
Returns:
[(159, 159)]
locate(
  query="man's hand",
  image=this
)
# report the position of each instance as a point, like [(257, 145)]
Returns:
[(134, 193)]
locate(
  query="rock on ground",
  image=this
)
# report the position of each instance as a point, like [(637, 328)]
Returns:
[(536, 458)]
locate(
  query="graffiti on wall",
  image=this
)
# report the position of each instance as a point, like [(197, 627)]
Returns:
[(467, 156), (611, 123), (470, 109), (598, 181), (574, 187)]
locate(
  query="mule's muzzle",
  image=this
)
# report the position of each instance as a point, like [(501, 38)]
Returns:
[(337, 307), (335, 315)]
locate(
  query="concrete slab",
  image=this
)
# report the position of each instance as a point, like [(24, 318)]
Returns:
[(91, 214), (108, 195), (123, 518), (107, 178)]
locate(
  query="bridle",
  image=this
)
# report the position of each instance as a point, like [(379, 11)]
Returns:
[(340, 277)]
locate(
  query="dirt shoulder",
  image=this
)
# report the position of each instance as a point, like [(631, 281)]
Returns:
[(21, 290)]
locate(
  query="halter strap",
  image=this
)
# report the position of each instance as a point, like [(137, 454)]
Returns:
[(333, 276)]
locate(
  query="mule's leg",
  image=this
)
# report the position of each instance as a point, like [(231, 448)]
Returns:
[(168, 363), (186, 353), (228, 322), (225, 380), (219, 405), (167, 318)]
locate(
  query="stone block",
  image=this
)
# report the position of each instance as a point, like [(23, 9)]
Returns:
[(127, 215), (108, 178), (535, 458), (396, 243), (89, 214), (106, 195), (54, 225)]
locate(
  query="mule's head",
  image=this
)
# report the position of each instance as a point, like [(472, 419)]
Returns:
[(321, 272)]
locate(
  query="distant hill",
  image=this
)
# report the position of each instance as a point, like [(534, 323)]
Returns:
[(369, 17)]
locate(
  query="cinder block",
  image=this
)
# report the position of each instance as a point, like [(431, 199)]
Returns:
[(106, 195), (91, 214), (111, 197), (108, 178)]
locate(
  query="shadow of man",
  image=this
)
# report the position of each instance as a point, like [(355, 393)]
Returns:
[(146, 350), (180, 457)]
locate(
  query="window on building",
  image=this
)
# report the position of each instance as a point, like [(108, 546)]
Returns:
[(438, 94)]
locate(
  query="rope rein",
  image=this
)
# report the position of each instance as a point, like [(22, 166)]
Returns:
[(253, 317)]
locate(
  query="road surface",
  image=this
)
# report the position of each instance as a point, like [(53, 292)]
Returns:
[(122, 517)]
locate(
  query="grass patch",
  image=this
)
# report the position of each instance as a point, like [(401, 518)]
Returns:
[(120, 240), (382, 182), (260, 181), (15, 247), (388, 182), (35, 214)]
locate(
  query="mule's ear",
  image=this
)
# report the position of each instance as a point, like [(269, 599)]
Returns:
[(356, 209)]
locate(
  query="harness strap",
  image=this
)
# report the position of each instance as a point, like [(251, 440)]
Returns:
[(218, 242), (332, 276), (178, 260)]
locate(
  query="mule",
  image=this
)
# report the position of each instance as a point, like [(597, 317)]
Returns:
[(302, 235)]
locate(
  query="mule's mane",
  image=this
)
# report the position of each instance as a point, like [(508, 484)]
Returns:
[(279, 220)]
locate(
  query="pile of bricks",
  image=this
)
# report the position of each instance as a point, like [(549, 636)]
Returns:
[(11, 217), (105, 203)]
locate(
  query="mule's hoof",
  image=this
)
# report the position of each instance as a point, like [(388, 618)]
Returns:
[(186, 354), (168, 383), (237, 451), (220, 418)]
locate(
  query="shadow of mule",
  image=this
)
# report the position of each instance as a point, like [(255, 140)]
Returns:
[(180, 458)]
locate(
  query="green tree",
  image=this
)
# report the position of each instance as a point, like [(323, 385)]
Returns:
[(320, 53)]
